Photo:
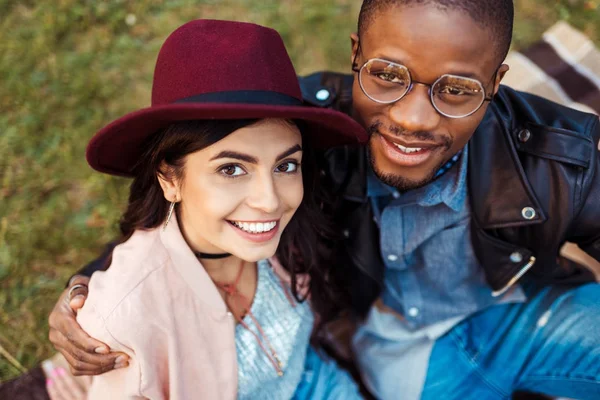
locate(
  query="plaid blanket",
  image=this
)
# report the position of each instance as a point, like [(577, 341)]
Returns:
[(564, 67)]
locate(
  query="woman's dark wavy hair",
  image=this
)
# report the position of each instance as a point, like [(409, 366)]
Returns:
[(305, 242)]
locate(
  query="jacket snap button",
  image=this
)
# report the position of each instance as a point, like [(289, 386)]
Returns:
[(392, 257), (528, 213), (516, 257), (346, 233), (524, 135), (322, 95)]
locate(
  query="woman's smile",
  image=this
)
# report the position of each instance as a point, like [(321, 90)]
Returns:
[(256, 231)]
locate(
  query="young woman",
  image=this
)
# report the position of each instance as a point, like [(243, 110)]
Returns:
[(222, 234)]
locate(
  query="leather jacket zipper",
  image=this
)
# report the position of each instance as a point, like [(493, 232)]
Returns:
[(514, 279)]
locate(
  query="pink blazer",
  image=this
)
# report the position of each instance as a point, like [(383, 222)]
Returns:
[(157, 304)]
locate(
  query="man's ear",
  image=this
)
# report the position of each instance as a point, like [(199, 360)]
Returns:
[(169, 185), (502, 70), (354, 43)]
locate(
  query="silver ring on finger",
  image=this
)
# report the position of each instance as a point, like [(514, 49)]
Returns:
[(75, 287)]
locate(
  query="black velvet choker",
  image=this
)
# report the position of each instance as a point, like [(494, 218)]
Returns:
[(209, 256)]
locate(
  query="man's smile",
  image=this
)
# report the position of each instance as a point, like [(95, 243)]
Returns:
[(405, 154)]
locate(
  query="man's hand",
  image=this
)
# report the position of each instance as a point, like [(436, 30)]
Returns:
[(85, 355)]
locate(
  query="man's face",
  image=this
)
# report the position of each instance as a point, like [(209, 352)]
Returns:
[(410, 140)]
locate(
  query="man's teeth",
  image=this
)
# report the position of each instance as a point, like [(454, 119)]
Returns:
[(255, 227), (408, 149)]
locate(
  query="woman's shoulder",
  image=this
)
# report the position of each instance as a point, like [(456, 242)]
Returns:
[(137, 267)]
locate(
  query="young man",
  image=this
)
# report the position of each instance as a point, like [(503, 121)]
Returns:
[(453, 215)]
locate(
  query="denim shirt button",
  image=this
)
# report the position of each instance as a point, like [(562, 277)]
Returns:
[(413, 311), (392, 257)]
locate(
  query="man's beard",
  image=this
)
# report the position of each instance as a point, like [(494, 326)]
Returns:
[(399, 182)]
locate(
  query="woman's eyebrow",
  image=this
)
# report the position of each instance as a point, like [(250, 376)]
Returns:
[(252, 160), (289, 151), (236, 155)]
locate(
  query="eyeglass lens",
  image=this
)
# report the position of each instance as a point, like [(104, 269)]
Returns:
[(451, 95)]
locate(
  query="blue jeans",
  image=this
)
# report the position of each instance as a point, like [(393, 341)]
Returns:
[(551, 345), (324, 379)]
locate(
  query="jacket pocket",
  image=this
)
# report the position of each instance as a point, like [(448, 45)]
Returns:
[(555, 144)]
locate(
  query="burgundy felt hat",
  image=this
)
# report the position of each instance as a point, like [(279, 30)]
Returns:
[(210, 69)]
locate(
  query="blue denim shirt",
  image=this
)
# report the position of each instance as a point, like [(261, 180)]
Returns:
[(432, 273), (432, 278)]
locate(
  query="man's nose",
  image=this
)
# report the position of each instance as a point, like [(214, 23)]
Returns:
[(414, 112)]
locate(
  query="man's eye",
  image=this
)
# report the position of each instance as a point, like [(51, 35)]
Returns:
[(232, 171), (388, 77), (289, 166), (457, 91)]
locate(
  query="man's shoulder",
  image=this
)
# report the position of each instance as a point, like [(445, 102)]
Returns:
[(526, 109), (543, 128)]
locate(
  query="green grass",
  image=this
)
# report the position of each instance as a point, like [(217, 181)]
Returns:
[(66, 68)]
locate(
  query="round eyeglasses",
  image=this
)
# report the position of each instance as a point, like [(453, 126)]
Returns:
[(453, 96)]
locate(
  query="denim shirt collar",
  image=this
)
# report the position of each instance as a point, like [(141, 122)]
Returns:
[(447, 189)]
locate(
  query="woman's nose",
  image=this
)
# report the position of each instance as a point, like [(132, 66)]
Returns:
[(264, 195)]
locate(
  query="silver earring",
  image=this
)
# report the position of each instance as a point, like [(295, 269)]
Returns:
[(171, 208)]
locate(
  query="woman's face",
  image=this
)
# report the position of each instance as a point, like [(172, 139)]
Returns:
[(238, 195)]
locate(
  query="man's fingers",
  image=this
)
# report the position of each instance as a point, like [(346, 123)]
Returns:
[(69, 341), (78, 338), (77, 302), (78, 286), (79, 292), (80, 367), (79, 280), (83, 361)]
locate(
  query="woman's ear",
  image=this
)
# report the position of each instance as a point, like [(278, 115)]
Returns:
[(168, 183)]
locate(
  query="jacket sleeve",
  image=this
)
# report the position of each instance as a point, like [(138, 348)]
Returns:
[(328, 90), (586, 227), (123, 383)]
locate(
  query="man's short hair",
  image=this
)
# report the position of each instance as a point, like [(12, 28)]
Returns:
[(495, 15)]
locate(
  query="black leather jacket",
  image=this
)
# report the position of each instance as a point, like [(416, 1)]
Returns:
[(534, 183)]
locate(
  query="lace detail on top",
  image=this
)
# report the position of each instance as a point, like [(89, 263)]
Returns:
[(288, 328)]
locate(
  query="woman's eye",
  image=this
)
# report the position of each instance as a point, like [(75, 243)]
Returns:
[(232, 170), (289, 166)]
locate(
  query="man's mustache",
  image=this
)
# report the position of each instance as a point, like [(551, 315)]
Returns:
[(444, 141)]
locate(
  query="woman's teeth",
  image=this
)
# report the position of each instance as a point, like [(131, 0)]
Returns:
[(408, 149), (255, 227)]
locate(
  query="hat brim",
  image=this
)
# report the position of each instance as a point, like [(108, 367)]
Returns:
[(116, 148)]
